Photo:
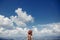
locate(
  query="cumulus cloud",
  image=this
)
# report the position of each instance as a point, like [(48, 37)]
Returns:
[(13, 27), (23, 16), (47, 30), (19, 20), (5, 22), (17, 32), (53, 30)]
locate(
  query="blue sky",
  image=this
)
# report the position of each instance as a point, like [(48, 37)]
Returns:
[(19, 16), (43, 11)]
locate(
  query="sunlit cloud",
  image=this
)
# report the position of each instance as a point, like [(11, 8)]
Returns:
[(16, 26)]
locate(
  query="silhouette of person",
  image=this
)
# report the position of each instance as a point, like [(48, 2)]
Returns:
[(30, 35)]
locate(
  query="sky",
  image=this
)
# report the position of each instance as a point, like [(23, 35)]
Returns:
[(44, 11), (18, 16)]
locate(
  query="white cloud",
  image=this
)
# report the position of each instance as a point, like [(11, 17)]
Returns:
[(22, 32), (13, 27), (47, 30), (23, 16), (17, 32), (19, 21), (5, 22)]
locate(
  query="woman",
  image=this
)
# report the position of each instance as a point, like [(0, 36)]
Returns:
[(30, 35)]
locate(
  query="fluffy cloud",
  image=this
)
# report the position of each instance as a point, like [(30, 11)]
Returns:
[(13, 27), (5, 22), (17, 21), (17, 32), (20, 32), (20, 20), (47, 30), (23, 16)]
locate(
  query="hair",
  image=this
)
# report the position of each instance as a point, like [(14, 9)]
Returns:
[(30, 32)]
